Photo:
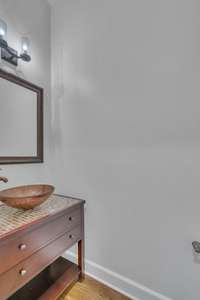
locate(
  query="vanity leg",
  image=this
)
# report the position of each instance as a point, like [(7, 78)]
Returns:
[(81, 249), (81, 259)]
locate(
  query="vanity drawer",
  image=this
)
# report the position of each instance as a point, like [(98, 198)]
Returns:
[(18, 276), (17, 249)]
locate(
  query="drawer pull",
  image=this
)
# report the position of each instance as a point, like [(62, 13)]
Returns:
[(22, 272), (22, 247), (70, 219), (71, 236)]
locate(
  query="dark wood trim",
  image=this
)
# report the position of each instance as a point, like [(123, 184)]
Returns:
[(39, 158)]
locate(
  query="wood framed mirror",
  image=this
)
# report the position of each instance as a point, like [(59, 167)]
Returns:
[(21, 120)]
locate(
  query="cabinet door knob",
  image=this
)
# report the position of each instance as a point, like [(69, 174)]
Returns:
[(71, 236), (22, 272), (22, 247), (70, 218)]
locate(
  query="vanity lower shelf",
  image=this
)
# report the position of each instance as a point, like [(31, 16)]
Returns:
[(50, 283)]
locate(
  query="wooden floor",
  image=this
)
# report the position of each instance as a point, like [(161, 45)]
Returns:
[(90, 289)]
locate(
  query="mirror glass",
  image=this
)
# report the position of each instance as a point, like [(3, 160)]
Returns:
[(21, 120), (18, 120)]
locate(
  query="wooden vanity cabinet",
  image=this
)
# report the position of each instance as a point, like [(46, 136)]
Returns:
[(31, 247)]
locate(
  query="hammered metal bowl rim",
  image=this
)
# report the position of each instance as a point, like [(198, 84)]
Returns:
[(24, 186)]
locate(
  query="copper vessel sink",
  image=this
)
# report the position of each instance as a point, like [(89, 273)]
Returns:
[(26, 197)]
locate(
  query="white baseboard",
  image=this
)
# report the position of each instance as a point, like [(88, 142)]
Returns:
[(125, 286)]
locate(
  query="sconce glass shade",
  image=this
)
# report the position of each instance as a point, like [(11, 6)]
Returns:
[(25, 45), (3, 30), (25, 52)]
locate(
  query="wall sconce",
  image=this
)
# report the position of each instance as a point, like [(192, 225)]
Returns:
[(9, 54)]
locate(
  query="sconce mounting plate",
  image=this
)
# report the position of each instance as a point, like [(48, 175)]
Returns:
[(7, 56)]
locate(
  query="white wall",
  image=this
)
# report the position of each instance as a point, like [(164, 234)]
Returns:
[(31, 18), (126, 133)]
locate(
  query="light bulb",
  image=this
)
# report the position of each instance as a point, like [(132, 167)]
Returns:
[(2, 32), (25, 45), (25, 52)]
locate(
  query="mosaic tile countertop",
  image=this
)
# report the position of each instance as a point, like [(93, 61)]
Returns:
[(12, 219)]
